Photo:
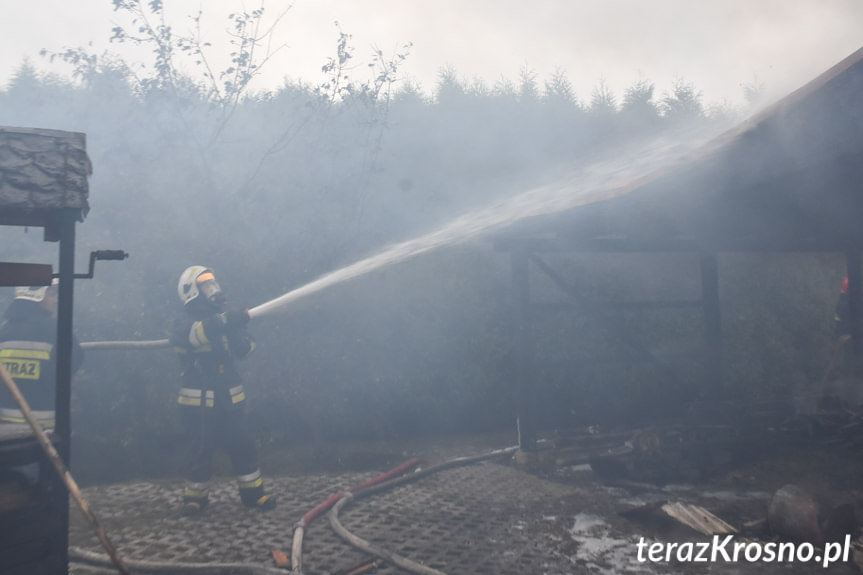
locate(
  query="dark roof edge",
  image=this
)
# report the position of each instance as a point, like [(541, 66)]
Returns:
[(794, 97)]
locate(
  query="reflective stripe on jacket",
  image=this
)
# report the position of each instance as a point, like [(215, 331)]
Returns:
[(207, 350), (192, 397), (27, 351), (43, 418)]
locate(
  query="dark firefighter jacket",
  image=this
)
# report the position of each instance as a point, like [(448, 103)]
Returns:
[(207, 349), (28, 337)]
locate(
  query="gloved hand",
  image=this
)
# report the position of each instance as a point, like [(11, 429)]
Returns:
[(235, 318)]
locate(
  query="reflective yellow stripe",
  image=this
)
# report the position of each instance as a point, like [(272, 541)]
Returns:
[(197, 493), (250, 476), (194, 401), (37, 345), (25, 353), (200, 333), (198, 337), (252, 484), (44, 424), (44, 418), (37, 413), (251, 480), (237, 394), (192, 397)]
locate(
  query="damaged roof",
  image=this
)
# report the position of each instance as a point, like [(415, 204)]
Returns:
[(789, 178), (42, 172)]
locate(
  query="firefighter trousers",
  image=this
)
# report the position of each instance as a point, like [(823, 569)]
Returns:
[(209, 428)]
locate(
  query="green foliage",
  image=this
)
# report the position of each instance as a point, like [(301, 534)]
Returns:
[(603, 102), (753, 92), (683, 104), (559, 89), (528, 90)]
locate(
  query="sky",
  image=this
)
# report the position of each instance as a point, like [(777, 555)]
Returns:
[(717, 45)]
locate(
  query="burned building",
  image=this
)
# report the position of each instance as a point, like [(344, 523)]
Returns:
[(786, 180)]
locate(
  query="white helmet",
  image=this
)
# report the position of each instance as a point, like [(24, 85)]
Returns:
[(196, 280), (34, 293)]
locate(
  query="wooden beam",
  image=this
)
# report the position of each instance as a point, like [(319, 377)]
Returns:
[(615, 324), (526, 412), (23, 274), (555, 307)]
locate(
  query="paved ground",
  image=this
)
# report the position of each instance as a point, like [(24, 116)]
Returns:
[(472, 519), (490, 518)]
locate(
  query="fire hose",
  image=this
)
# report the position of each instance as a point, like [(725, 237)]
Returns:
[(375, 486), (146, 344), (300, 526), (91, 558)]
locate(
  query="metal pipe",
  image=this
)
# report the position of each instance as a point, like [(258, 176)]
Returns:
[(63, 381)]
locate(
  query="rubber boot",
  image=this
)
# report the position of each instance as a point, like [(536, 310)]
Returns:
[(194, 506), (196, 497), (256, 499)]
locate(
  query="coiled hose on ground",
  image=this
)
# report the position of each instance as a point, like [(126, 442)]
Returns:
[(388, 556), (300, 526)]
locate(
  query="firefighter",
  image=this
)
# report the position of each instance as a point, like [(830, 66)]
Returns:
[(208, 338), (840, 318), (844, 360), (28, 338)]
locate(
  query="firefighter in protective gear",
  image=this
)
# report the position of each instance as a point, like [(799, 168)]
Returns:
[(28, 338), (208, 338)]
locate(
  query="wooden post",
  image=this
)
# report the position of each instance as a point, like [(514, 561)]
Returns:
[(712, 322), (526, 412)]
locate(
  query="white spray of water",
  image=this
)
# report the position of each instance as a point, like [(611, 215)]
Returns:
[(598, 181)]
